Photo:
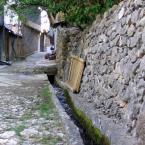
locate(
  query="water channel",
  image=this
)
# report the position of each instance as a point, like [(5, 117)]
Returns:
[(62, 98)]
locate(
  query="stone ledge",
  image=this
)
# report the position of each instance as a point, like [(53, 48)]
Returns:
[(71, 129), (46, 66)]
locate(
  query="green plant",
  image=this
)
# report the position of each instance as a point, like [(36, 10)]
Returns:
[(46, 140), (77, 12), (46, 107), (18, 129)]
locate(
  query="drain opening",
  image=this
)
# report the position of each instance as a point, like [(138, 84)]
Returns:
[(51, 78)]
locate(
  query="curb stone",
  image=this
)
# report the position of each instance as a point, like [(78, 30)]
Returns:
[(72, 131)]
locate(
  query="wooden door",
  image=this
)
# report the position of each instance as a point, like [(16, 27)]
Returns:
[(1, 43), (42, 42), (6, 43)]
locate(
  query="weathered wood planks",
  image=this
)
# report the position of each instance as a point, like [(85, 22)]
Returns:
[(75, 73)]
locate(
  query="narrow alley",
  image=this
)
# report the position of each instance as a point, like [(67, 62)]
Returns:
[(28, 116)]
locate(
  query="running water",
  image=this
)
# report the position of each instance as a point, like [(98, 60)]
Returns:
[(60, 95)]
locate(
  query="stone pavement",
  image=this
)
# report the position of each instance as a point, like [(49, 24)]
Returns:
[(32, 64), (27, 115)]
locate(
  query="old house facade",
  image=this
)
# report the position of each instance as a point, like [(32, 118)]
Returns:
[(20, 39)]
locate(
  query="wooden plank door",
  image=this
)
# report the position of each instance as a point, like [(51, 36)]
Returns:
[(7, 55), (1, 43), (42, 42)]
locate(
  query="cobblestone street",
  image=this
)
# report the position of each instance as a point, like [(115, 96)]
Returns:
[(27, 114)]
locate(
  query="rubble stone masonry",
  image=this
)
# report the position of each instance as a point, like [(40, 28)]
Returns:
[(112, 91)]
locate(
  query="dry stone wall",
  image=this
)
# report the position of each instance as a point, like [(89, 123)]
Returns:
[(68, 41), (113, 83)]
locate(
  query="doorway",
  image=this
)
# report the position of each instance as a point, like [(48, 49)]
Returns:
[(42, 42)]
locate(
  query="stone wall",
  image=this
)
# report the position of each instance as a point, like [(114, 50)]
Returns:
[(113, 85), (67, 44)]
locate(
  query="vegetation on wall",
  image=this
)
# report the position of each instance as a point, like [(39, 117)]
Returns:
[(77, 12), (94, 133), (2, 2)]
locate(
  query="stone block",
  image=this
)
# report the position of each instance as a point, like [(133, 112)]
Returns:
[(131, 30)]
